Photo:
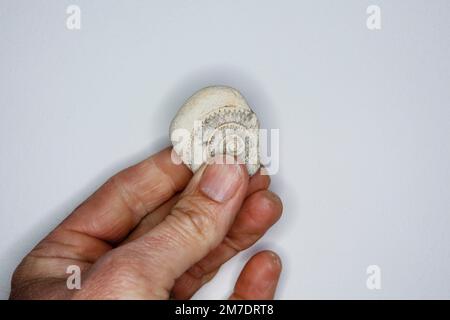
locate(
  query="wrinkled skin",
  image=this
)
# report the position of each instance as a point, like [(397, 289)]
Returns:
[(155, 231)]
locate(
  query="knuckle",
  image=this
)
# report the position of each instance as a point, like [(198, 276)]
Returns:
[(118, 265), (122, 273), (236, 244), (194, 216), (126, 194)]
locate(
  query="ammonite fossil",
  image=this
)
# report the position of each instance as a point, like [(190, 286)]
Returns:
[(216, 120)]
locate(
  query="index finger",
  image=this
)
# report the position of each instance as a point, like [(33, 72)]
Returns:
[(118, 205)]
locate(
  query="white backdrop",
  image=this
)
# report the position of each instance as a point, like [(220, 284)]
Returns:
[(364, 119)]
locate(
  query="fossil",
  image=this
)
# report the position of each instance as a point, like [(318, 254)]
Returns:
[(216, 120)]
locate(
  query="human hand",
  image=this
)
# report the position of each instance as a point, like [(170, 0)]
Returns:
[(154, 231)]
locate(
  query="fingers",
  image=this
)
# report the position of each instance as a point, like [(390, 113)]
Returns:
[(257, 182), (105, 218), (112, 211), (259, 278), (258, 213), (117, 207), (197, 223), (152, 219)]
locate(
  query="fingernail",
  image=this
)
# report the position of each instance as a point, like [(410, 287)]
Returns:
[(221, 179), (269, 276), (276, 261)]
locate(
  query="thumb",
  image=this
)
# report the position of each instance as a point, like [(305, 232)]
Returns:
[(197, 223)]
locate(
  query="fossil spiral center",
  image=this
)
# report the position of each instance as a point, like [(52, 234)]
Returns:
[(234, 132)]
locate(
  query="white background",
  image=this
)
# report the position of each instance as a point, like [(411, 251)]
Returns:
[(364, 119)]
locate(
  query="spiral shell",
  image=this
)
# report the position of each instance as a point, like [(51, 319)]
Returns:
[(216, 120)]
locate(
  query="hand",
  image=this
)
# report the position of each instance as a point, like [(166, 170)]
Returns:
[(137, 237)]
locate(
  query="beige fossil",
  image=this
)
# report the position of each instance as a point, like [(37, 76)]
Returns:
[(216, 120)]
